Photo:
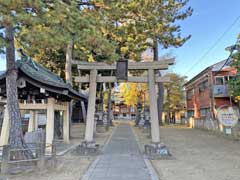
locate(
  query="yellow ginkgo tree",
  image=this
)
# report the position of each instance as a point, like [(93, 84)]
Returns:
[(134, 92)]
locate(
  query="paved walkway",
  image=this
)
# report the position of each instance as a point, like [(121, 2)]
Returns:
[(121, 159)]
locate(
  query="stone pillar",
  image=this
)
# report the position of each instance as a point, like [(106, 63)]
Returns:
[(5, 129), (66, 124), (36, 120), (83, 111), (153, 107), (191, 121), (91, 106), (31, 122), (50, 121)]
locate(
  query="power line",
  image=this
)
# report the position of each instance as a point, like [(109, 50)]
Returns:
[(230, 55), (213, 46)]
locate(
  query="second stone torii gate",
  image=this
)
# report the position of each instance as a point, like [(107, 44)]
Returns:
[(151, 79)]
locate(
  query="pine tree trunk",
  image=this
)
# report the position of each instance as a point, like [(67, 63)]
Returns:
[(109, 118), (160, 85), (68, 64), (16, 139), (68, 77), (101, 100)]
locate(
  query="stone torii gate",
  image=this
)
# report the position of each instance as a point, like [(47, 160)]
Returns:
[(151, 79)]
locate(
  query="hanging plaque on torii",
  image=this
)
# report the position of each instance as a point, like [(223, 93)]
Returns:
[(122, 70)]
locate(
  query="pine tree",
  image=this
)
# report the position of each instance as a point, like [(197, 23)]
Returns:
[(66, 27), (14, 15), (174, 97), (132, 23), (99, 28), (234, 83)]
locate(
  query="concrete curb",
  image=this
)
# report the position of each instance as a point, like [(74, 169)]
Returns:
[(67, 150), (109, 138), (89, 171), (152, 171)]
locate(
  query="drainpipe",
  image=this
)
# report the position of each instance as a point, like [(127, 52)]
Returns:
[(212, 104)]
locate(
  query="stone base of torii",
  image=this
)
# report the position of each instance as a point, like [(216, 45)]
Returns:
[(152, 78)]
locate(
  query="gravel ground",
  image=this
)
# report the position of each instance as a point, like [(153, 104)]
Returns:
[(69, 166), (200, 155)]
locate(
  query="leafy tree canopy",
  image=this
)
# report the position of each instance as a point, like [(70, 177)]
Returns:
[(133, 24), (101, 29), (63, 22), (132, 93), (234, 84), (174, 98)]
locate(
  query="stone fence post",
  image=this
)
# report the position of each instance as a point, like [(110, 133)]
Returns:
[(54, 154), (41, 155), (191, 122), (5, 159)]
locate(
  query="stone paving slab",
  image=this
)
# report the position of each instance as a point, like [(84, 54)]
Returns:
[(121, 159)]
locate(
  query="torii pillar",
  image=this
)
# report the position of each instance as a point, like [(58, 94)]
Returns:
[(91, 106), (89, 131), (155, 134), (151, 79)]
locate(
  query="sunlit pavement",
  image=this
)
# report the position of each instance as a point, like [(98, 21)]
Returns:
[(121, 159)]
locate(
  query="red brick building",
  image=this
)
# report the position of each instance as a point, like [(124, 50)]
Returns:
[(207, 91)]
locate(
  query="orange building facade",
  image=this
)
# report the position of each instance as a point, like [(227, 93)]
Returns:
[(208, 91)]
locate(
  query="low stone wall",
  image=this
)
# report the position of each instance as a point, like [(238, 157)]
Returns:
[(210, 124), (236, 130)]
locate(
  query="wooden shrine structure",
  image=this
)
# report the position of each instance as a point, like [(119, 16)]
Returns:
[(40, 90), (93, 78)]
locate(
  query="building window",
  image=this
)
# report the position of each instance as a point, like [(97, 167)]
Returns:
[(202, 86), (205, 112), (219, 80), (227, 78), (132, 109), (190, 94), (231, 78), (190, 113)]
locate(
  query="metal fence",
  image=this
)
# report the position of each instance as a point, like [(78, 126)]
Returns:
[(32, 153)]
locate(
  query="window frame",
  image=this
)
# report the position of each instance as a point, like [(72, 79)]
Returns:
[(217, 77), (192, 93)]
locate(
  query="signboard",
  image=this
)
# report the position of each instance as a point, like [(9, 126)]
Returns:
[(228, 131), (42, 119), (122, 70), (105, 121), (228, 116)]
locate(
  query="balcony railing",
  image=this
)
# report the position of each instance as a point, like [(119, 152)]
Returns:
[(220, 91)]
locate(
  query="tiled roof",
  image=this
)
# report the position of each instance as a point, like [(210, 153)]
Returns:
[(215, 68), (43, 75), (221, 65), (39, 73)]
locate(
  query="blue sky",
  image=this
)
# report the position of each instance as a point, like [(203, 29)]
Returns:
[(2, 62), (209, 21)]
